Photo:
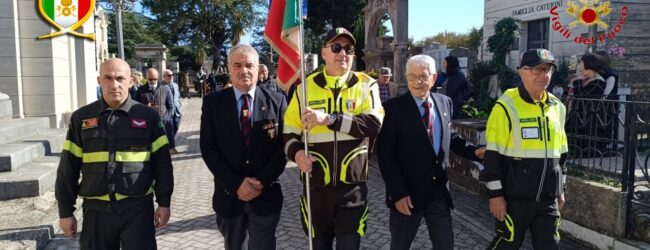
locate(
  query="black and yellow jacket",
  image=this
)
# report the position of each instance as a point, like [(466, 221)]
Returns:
[(341, 149), (119, 153), (526, 147)]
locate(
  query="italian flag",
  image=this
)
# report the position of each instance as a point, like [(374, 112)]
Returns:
[(282, 32), (66, 12)]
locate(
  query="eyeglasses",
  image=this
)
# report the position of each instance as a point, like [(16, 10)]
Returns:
[(152, 79), (336, 48), (539, 70), (168, 75), (413, 78)]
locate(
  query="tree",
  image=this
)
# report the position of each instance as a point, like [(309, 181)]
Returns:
[(504, 36), (474, 39), (205, 25), (333, 13), (449, 39), (136, 28)]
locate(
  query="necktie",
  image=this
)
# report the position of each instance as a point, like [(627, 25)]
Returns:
[(244, 119), (426, 118)]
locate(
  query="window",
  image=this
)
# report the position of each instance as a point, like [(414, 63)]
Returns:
[(538, 34)]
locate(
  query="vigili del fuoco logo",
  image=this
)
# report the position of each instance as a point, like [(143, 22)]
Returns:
[(67, 16), (589, 13)]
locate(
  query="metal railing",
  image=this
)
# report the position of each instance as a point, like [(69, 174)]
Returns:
[(610, 140)]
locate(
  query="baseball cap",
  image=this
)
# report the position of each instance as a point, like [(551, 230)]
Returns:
[(340, 31), (535, 57), (385, 71)]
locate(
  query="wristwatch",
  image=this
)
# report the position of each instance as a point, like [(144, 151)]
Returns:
[(331, 119)]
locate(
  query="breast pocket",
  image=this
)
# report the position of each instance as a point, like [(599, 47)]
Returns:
[(94, 140), (93, 180), (136, 179)]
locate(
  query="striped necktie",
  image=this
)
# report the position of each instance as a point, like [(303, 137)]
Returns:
[(244, 119)]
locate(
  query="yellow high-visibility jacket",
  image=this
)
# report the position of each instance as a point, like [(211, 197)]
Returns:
[(526, 147), (341, 149)]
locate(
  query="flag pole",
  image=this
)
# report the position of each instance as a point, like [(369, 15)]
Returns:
[(304, 105)]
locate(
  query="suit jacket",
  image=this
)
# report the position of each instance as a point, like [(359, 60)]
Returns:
[(230, 160), (162, 97), (408, 163)]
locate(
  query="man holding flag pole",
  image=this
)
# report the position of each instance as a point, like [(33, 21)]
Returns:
[(339, 116)]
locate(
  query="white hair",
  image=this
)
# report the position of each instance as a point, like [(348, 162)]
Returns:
[(424, 60), (242, 49)]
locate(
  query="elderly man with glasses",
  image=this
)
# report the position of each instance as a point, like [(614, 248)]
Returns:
[(524, 161), (175, 121), (343, 113), (158, 97)]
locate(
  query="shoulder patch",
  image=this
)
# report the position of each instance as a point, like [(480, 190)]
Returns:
[(90, 123)]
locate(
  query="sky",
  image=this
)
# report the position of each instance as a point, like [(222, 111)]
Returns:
[(430, 17)]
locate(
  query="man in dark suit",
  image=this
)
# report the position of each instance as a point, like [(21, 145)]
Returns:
[(241, 144), (413, 147)]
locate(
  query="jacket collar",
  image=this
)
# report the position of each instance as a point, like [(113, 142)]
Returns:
[(126, 106), (524, 95), (319, 79)]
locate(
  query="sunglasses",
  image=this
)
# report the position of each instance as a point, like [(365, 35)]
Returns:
[(337, 47), (168, 75)]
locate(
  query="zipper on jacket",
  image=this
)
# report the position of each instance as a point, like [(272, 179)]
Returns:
[(336, 158), (542, 130)]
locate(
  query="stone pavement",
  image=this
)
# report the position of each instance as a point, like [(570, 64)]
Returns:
[(192, 224)]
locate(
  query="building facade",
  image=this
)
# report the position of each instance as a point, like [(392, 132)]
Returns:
[(561, 26), (46, 77)]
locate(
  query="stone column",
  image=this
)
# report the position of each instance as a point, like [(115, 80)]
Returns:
[(10, 59), (399, 15), (399, 65), (5, 107)]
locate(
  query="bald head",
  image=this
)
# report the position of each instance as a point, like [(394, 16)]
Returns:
[(115, 81)]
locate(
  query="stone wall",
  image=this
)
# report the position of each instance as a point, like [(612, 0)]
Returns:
[(461, 171), (596, 206)]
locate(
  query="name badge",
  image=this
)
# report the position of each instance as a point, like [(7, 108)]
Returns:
[(530, 133)]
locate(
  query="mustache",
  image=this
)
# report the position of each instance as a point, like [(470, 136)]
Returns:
[(244, 75)]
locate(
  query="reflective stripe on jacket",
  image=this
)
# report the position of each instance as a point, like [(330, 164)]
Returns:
[(117, 153), (341, 149)]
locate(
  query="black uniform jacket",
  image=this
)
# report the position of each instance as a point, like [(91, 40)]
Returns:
[(122, 151), (408, 163), (230, 160)]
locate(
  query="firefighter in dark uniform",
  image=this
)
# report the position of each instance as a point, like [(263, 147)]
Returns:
[(524, 159), (119, 148)]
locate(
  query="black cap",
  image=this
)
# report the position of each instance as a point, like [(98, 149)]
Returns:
[(340, 31), (535, 57), (385, 71)]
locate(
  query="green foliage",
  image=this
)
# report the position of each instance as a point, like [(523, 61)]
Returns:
[(470, 40), (136, 29), (204, 25), (184, 56), (578, 171), (324, 14), (383, 29), (449, 39), (505, 34), (475, 37), (479, 75), (560, 76)]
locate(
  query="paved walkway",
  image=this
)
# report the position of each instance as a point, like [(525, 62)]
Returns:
[(192, 225)]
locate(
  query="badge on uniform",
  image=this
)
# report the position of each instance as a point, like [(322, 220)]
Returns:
[(90, 123), (349, 104), (270, 129), (138, 123), (530, 133)]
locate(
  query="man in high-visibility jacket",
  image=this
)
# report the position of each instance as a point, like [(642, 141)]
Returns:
[(524, 159), (120, 149), (343, 113)]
